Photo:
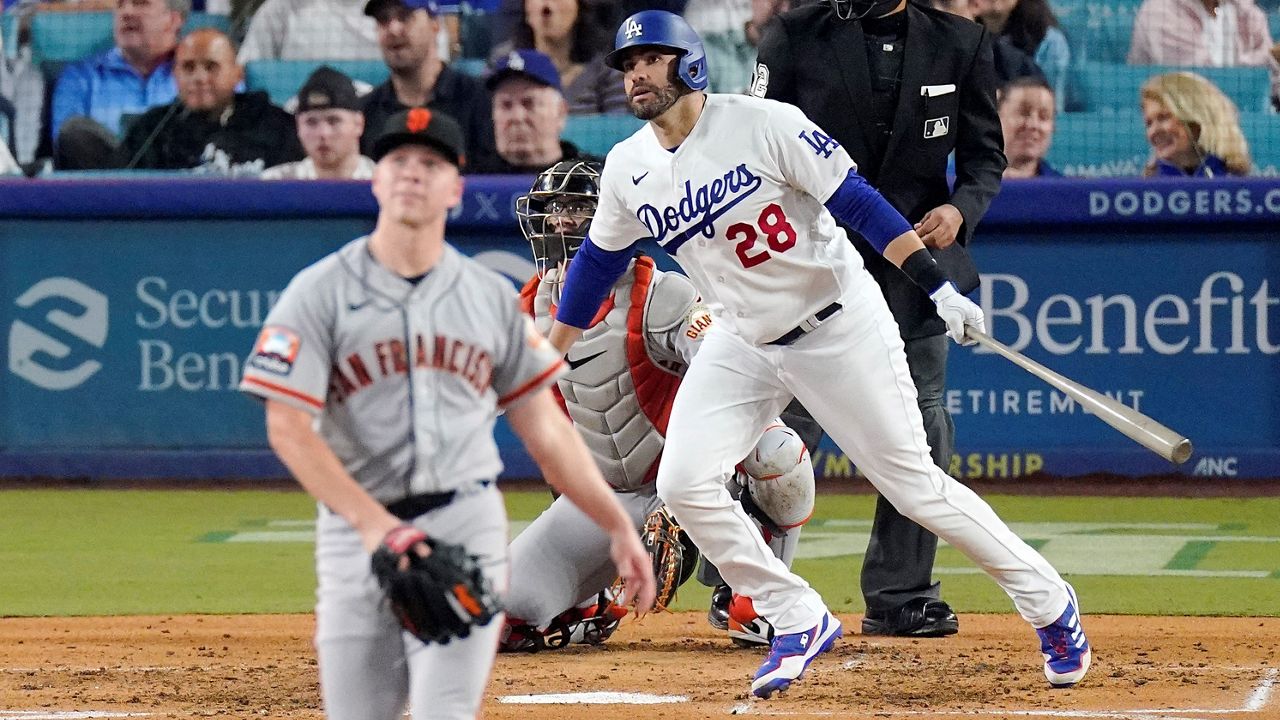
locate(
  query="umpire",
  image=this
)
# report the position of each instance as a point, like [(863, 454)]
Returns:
[(923, 82)]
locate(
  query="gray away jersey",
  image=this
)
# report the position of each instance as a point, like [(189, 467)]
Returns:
[(406, 380)]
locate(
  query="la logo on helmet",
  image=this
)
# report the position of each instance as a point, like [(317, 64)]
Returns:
[(634, 29)]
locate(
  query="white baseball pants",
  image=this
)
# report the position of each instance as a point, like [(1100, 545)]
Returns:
[(851, 373), (369, 667)]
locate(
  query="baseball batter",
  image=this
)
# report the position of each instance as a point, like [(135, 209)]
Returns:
[(618, 392), (383, 367), (742, 191)]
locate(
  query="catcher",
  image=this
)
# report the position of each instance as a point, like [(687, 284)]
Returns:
[(618, 392)]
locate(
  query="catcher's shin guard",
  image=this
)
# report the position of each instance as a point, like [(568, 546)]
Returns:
[(779, 473)]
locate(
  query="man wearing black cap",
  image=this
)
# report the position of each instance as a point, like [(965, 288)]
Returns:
[(529, 114), (383, 367), (408, 31), (329, 125)]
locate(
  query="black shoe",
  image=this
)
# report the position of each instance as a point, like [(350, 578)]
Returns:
[(718, 615), (920, 617)]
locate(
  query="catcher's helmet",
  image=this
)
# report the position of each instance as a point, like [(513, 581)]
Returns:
[(666, 30), (557, 212)]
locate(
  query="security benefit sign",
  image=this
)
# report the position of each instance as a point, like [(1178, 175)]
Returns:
[(133, 335), (1183, 328)]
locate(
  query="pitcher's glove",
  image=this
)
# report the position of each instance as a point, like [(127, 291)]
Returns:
[(437, 597), (674, 555)]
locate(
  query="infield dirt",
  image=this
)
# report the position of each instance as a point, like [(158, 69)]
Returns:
[(255, 666)]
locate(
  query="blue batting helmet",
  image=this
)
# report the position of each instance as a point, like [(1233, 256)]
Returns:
[(666, 30)]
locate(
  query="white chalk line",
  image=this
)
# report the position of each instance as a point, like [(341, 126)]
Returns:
[(1257, 700)]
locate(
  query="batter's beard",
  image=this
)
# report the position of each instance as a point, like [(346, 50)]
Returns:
[(664, 98)]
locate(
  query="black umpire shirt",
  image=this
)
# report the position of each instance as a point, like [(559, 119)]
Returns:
[(840, 74)]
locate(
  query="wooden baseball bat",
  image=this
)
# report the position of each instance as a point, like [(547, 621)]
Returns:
[(1157, 438)]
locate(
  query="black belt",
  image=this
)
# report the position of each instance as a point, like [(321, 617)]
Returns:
[(809, 325), (415, 505)]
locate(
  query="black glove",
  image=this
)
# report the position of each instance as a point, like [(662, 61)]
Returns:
[(437, 597)]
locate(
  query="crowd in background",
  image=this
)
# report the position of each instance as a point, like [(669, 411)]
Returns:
[(171, 90)]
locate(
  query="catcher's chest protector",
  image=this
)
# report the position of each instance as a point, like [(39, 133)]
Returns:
[(623, 427)]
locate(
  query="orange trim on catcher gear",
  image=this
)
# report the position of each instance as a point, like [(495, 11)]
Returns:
[(530, 291), (655, 387), (290, 392), (533, 384)]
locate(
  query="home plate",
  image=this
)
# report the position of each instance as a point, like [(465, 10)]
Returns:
[(592, 698)]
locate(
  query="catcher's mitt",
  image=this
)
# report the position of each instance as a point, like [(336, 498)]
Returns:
[(437, 597), (674, 555)]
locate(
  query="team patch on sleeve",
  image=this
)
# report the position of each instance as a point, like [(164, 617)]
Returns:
[(276, 350), (697, 324)]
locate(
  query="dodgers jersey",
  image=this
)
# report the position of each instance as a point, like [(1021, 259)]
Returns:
[(740, 206), (406, 380)]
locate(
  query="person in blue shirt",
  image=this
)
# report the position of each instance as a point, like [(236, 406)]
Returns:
[(1192, 127), (93, 95)]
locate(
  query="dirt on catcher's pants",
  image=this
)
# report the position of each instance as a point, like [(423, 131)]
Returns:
[(264, 666)]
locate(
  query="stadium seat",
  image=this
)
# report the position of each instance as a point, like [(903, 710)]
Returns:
[(1100, 32), (282, 78), (596, 134), (65, 37), (1114, 144), (1100, 86), (9, 34), (472, 66)]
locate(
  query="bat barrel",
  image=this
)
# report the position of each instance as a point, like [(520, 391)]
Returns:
[(1161, 440)]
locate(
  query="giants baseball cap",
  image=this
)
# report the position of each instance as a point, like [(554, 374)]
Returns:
[(328, 89), (526, 63), (372, 7), (422, 127)]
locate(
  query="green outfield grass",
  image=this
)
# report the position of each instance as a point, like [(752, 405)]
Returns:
[(110, 552)]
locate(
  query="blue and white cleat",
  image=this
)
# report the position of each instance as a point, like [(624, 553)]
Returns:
[(790, 655), (1065, 648)]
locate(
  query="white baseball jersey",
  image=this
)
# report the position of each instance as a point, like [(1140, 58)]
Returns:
[(406, 380), (739, 204)]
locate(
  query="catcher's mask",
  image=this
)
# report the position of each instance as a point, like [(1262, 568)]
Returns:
[(557, 212), (859, 9)]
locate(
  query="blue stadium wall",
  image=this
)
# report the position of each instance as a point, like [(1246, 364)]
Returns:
[(129, 305)]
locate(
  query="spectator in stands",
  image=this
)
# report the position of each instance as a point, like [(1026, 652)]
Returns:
[(730, 30), (407, 33), (1032, 28), (605, 13), (562, 31), (1010, 61), (1193, 128), (722, 25), (529, 114), (309, 30), (1027, 113), (330, 123), (210, 126), (93, 95), (1205, 33)]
